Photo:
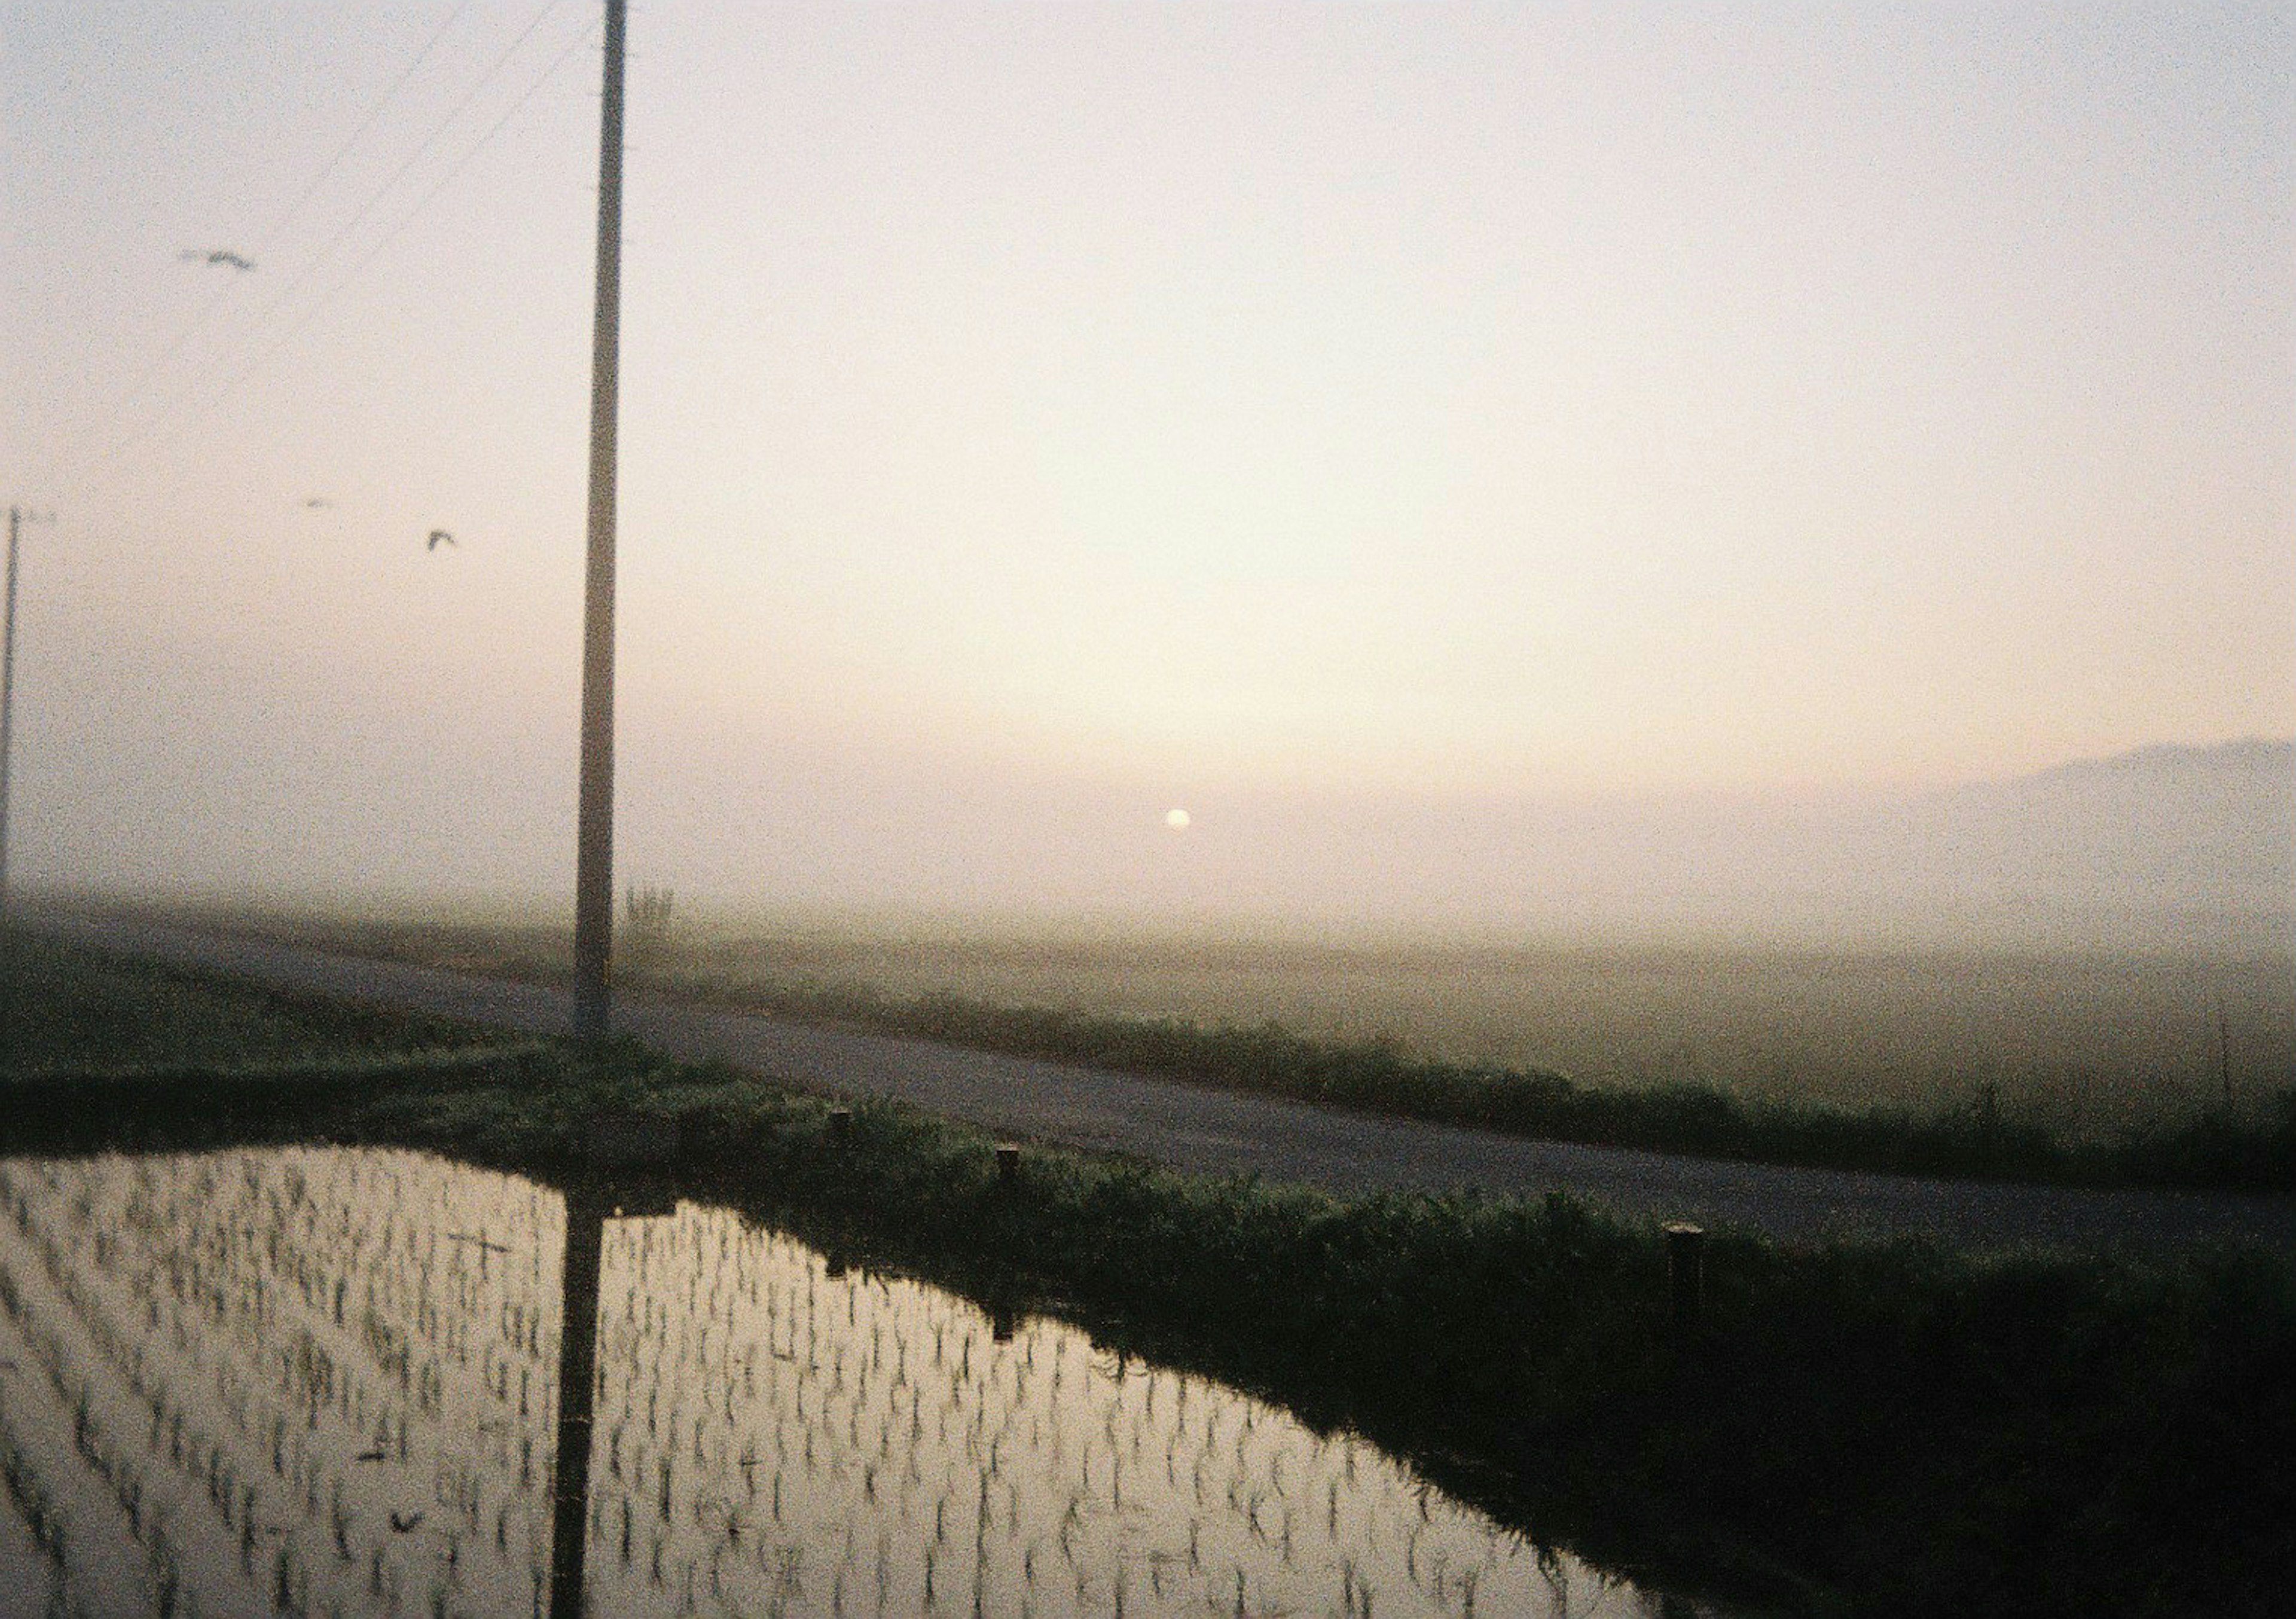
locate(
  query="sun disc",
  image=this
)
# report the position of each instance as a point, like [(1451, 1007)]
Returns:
[(1177, 819)]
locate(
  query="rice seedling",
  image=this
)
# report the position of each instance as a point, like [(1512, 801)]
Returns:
[(265, 1421), (870, 1413)]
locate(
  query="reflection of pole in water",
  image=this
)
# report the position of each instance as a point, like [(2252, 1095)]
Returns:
[(587, 1208)]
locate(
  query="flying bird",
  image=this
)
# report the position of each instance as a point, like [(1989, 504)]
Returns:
[(404, 1522), (439, 536), (216, 256), (318, 503)]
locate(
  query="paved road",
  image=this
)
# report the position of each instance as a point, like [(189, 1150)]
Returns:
[(1205, 1129)]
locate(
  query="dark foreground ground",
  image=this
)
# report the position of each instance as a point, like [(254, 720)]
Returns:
[(1844, 1427)]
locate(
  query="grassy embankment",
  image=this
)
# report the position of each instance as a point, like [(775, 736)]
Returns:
[(1871, 1428), (1971, 1131), (1972, 1138)]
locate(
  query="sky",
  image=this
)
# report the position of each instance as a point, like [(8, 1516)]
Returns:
[(1037, 417)]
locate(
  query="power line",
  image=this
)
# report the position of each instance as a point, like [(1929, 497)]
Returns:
[(400, 172), (318, 305), (262, 244), (184, 396), (365, 124)]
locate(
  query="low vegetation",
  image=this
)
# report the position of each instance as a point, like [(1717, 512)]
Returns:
[(1973, 1137), (83, 1010), (1869, 1428)]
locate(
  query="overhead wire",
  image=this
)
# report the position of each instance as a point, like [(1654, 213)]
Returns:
[(260, 246), (313, 310), (374, 112), (359, 218), (188, 399)]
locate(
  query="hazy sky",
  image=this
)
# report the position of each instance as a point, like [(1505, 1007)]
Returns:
[(1055, 414)]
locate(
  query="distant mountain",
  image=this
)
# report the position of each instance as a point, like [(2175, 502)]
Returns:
[(2165, 839), (2230, 790), (2190, 846)]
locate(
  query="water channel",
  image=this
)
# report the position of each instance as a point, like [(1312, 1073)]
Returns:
[(325, 1381)]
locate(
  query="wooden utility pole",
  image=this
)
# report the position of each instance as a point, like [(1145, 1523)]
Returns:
[(594, 851), (7, 701), (2224, 1018)]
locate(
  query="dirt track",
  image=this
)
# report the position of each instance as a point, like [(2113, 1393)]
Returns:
[(1219, 1131)]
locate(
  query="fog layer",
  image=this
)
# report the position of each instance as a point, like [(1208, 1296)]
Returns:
[(2185, 847)]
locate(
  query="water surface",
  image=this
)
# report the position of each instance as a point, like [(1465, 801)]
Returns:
[(326, 1381)]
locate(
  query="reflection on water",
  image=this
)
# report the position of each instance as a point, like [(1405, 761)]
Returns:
[(312, 1382), (324, 1381)]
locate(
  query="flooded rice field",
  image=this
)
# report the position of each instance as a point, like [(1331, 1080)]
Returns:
[(326, 1381)]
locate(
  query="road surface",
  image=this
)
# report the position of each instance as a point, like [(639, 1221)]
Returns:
[(1209, 1129)]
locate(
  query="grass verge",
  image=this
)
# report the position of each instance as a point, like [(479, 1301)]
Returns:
[(67, 1007), (1971, 1140)]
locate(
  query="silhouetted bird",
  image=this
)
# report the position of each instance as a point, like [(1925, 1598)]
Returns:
[(439, 536), (216, 256), (404, 1524), (318, 501)]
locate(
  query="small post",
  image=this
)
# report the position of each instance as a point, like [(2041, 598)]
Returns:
[(1008, 1163), (840, 1127), (1685, 1255)]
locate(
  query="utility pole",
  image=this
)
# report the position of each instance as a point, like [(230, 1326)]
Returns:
[(2224, 1028), (7, 702), (594, 851)]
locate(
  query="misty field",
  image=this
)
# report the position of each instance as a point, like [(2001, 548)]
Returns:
[(2092, 1047), (2087, 1045)]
